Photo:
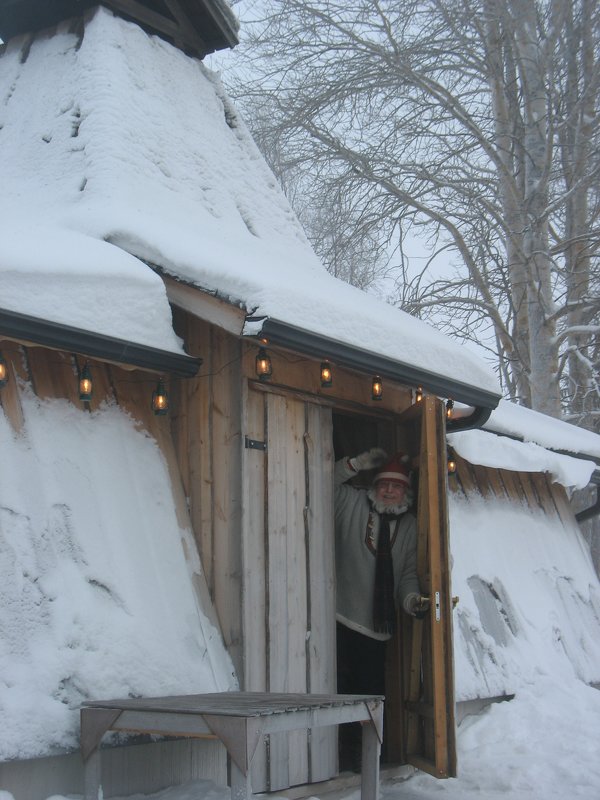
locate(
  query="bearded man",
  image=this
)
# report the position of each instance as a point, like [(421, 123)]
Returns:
[(376, 570)]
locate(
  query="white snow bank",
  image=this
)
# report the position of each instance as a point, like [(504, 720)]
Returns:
[(96, 595), (543, 745), (514, 420), (128, 140), (489, 450), (529, 598)]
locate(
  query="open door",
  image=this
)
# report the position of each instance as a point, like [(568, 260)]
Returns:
[(420, 673)]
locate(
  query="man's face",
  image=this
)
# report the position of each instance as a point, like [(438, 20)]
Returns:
[(390, 493)]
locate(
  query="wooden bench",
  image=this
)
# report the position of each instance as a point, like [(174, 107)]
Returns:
[(239, 720)]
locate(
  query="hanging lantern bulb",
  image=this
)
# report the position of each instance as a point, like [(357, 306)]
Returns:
[(451, 462), (86, 385), (160, 399), (326, 375), (376, 388), (419, 394), (264, 368), (449, 408), (3, 372)]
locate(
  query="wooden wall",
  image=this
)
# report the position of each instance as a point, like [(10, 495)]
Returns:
[(534, 489), (205, 422)]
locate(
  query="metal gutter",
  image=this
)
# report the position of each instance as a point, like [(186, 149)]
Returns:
[(95, 345), (293, 338)]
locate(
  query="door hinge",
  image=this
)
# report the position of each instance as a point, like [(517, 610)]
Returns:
[(254, 444)]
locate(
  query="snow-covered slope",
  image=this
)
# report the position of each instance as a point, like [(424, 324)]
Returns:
[(529, 598), (123, 139), (529, 594), (96, 594)]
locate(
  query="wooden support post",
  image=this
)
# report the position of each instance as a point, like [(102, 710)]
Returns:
[(241, 785), (371, 749), (92, 777)]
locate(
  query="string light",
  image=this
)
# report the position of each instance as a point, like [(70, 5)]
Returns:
[(86, 385), (160, 399), (3, 372), (264, 368), (326, 375), (376, 388), (449, 408), (451, 462)]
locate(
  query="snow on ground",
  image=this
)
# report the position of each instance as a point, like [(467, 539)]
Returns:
[(543, 745)]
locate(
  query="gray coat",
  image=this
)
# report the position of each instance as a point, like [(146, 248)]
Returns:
[(356, 535)]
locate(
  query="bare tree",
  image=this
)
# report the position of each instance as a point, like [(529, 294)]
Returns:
[(472, 123)]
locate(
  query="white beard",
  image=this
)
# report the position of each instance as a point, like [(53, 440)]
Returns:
[(385, 508)]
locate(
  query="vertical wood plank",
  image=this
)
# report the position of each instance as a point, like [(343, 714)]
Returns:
[(482, 479), (528, 489), (254, 599), (191, 425), (435, 752), (562, 504), (10, 394), (466, 477), (227, 464), (318, 442), (513, 486), (496, 483), (53, 374), (544, 496), (438, 654), (287, 578)]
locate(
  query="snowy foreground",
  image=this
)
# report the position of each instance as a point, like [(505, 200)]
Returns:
[(541, 745)]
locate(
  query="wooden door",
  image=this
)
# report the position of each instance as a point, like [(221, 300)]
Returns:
[(289, 574), (420, 673)]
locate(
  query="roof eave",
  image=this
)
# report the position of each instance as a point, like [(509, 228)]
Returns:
[(25, 328), (303, 341)]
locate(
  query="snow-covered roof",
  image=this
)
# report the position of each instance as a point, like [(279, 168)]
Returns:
[(531, 426), (522, 440), (123, 140)]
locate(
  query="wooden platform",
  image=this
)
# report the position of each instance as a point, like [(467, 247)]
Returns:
[(239, 720)]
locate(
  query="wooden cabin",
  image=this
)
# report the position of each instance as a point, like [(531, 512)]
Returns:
[(252, 428)]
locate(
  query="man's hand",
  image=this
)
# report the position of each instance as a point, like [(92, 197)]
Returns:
[(372, 458), (417, 605)]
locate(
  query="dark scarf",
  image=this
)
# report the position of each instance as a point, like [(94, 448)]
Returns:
[(384, 609)]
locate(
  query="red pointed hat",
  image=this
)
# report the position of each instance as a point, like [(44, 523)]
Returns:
[(396, 469)]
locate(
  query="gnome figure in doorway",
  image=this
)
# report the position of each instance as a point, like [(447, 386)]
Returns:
[(376, 570)]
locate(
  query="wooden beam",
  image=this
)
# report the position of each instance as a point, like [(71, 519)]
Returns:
[(160, 23), (205, 306)]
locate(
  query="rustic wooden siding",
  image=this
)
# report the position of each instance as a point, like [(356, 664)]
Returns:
[(205, 420), (534, 489)]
